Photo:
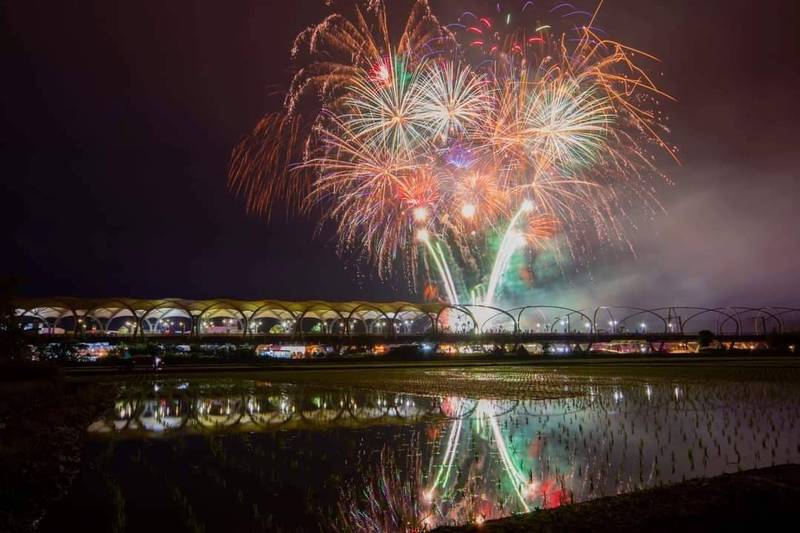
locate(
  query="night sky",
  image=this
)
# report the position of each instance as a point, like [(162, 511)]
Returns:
[(118, 118)]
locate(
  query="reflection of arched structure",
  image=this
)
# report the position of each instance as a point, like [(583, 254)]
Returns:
[(169, 407)]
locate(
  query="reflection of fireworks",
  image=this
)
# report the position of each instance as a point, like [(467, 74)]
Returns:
[(414, 137), (389, 500)]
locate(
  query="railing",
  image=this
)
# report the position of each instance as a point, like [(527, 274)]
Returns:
[(441, 337)]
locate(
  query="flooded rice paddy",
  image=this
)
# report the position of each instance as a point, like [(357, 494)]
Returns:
[(398, 450)]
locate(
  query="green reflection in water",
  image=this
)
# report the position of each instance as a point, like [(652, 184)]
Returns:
[(468, 459)]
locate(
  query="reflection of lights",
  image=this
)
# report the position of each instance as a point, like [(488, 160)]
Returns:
[(449, 456), (648, 390), (517, 479)]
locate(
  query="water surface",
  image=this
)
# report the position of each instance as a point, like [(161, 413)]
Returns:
[(241, 454)]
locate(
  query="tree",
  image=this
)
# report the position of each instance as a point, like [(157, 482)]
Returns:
[(705, 338), (12, 340)]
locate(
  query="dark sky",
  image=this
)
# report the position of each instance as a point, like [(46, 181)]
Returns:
[(118, 118)]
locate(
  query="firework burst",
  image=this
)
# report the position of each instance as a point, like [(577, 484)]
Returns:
[(418, 149)]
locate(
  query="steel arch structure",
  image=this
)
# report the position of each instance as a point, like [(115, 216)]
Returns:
[(71, 316)]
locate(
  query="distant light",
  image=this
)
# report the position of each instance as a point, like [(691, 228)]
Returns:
[(423, 235)]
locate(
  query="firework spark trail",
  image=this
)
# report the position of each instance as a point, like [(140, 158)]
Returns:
[(509, 244), (448, 275), (441, 265), (441, 130)]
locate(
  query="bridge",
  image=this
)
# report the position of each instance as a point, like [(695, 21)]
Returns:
[(362, 323)]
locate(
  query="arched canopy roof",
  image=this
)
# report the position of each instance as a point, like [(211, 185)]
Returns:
[(107, 308)]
